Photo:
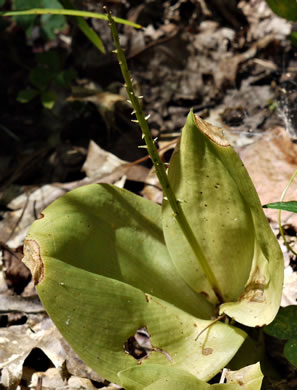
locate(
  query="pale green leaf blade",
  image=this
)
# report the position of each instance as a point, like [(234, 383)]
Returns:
[(216, 211), (114, 233), (155, 377), (260, 300), (97, 315), (248, 378), (87, 252)]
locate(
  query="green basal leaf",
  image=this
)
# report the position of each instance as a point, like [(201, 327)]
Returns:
[(287, 206), (216, 212), (225, 214), (247, 378), (103, 271), (285, 8), (157, 377)]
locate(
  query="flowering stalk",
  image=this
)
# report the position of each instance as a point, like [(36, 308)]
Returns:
[(159, 166)]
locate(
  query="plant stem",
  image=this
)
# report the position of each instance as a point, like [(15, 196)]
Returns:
[(159, 166)]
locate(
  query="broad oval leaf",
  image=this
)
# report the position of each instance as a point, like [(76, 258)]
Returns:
[(102, 271), (216, 211), (226, 217), (114, 233), (157, 377)]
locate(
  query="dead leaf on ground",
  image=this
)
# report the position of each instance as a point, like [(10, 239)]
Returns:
[(18, 341), (101, 167), (271, 161), (17, 275)]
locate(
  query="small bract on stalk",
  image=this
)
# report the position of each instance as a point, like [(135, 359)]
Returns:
[(109, 264), (177, 211)]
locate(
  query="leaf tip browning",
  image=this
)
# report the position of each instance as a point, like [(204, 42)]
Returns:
[(255, 289), (33, 260), (214, 133)]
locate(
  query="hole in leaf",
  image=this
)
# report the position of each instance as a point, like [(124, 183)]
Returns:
[(38, 360), (139, 346)]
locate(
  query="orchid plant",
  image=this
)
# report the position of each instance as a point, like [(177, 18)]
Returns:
[(187, 276)]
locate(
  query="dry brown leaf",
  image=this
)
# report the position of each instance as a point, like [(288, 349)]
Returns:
[(101, 167), (271, 161), (16, 343)]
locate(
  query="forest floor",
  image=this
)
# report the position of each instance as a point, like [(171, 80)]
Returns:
[(235, 66)]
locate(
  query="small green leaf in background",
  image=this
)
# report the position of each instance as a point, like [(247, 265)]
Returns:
[(27, 21), (157, 377), (48, 99), (284, 327), (66, 77), (40, 77), (293, 38), (26, 95), (3, 22), (284, 8), (287, 206), (85, 28), (290, 351), (50, 59), (51, 24)]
